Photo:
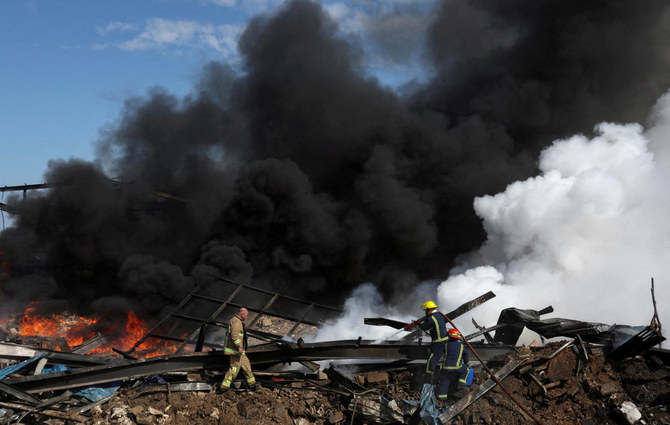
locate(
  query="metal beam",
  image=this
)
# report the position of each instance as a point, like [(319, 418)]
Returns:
[(260, 356), (18, 352), (24, 187), (21, 395), (95, 375), (459, 311), (285, 352), (182, 313), (255, 310)]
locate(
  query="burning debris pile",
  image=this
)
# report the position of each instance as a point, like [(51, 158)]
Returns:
[(70, 332), (594, 377)]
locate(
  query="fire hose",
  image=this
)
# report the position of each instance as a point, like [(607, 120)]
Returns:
[(495, 379)]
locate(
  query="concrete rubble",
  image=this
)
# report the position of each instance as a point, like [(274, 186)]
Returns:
[(577, 379)]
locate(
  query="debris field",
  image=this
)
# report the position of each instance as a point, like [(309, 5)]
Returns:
[(594, 374)]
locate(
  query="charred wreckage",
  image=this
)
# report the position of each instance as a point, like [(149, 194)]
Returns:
[(69, 384)]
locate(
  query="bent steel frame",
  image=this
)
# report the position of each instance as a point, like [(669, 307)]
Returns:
[(201, 310), (261, 356)]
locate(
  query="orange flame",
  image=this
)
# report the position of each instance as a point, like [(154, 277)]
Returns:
[(135, 330), (76, 330)]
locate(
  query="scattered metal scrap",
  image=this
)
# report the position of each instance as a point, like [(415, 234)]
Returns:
[(262, 356), (621, 340), (70, 378)]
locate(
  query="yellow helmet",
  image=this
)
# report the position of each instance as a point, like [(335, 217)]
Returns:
[(428, 305)]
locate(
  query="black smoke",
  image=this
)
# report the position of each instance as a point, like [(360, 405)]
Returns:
[(304, 175)]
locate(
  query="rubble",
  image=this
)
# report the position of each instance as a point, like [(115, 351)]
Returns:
[(291, 398), (577, 380)]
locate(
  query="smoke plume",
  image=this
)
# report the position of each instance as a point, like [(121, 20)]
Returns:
[(585, 236), (304, 174)]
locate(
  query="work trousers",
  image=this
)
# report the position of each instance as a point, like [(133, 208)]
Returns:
[(238, 362), (451, 378), (436, 353)]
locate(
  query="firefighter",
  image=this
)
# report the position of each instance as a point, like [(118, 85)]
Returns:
[(436, 325), (455, 367), (236, 344)]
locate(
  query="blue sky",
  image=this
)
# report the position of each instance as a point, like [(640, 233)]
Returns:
[(67, 67)]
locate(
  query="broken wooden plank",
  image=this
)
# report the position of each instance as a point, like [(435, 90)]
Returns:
[(465, 307), (310, 365), (485, 387), (39, 367)]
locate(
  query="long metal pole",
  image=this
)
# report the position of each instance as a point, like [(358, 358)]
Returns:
[(495, 379)]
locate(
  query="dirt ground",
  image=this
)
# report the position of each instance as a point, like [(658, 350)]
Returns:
[(563, 390)]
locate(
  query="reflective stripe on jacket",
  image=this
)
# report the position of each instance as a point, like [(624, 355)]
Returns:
[(455, 355), (436, 324), (234, 336)]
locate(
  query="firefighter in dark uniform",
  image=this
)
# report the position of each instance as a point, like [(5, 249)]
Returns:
[(455, 367), (235, 346), (436, 325)]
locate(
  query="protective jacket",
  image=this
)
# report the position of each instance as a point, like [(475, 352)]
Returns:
[(454, 369), (436, 325), (236, 336), (457, 355)]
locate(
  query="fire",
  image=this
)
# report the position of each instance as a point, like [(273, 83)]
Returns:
[(135, 330), (75, 330)]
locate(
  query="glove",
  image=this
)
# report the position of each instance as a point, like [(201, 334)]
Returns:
[(412, 324)]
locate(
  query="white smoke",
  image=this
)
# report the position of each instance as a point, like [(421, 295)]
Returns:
[(365, 301), (585, 236)]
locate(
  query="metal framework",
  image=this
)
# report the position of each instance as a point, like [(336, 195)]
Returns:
[(261, 356), (198, 312)]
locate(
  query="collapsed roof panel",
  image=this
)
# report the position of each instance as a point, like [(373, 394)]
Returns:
[(514, 320), (201, 310)]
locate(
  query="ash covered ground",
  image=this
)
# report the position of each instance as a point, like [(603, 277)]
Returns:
[(593, 395)]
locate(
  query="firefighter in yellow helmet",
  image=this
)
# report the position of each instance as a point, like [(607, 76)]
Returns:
[(436, 325), (236, 344)]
